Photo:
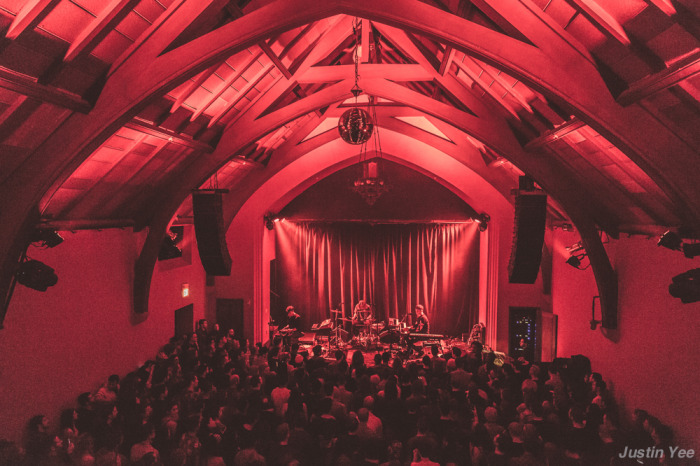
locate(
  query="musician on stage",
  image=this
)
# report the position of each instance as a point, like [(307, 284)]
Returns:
[(421, 323), (293, 319), (360, 316), (362, 312)]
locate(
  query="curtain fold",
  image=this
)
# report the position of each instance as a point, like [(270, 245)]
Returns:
[(393, 267)]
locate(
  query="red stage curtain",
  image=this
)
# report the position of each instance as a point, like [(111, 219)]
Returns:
[(393, 267)]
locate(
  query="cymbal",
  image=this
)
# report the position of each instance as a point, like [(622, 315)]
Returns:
[(344, 319), (336, 312)]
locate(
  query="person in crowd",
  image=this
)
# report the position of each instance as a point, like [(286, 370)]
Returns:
[(243, 404)]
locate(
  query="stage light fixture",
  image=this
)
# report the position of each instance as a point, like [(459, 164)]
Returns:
[(47, 238), (574, 261), (483, 220), (670, 240), (269, 222), (36, 275), (691, 250), (686, 286), (169, 248)]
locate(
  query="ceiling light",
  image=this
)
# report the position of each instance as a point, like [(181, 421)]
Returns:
[(691, 250), (686, 286), (36, 275), (670, 240), (574, 261), (47, 238)]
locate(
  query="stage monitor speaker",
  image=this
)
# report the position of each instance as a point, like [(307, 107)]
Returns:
[(528, 237), (209, 229)]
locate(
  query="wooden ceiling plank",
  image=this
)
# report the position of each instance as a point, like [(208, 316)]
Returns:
[(94, 198), (64, 213), (26, 85), (604, 184), (475, 77), (683, 69), (29, 17), (251, 84), (109, 17), (509, 87), (194, 85), (226, 84)]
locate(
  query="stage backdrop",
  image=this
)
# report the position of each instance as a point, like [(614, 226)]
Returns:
[(393, 267)]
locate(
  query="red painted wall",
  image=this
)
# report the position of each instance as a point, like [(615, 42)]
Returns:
[(653, 360), (69, 339)]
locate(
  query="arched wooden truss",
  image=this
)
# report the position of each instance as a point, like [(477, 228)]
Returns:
[(177, 53)]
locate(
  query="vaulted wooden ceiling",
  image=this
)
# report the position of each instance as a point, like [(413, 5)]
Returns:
[(113, 111)]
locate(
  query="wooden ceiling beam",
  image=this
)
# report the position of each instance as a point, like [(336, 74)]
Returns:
[(683, 69), (603, 20), (110, 16), (466, 95), (32, 13), (609, 26), (536, 26), (664, 5), (30, 87), (318, 74), (144, 126), (554, 134)]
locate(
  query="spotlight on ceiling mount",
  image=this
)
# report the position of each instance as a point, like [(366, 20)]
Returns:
[(270, 220), (483, 220), (575, 259), (691, 250), (36, 275), (47, 238), (670, 240), (169, 248), (686, 286)]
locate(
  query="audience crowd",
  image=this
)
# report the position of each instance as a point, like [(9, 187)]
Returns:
[(209, 399)]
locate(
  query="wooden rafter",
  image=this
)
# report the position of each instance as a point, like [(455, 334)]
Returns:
[(31, 14), (99, 27), (685, 68), (28, 86), (392, 72)]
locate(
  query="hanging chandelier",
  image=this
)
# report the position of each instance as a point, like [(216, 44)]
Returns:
[(356, 126)]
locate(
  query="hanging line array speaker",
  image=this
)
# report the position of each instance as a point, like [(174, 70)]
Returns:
[(209, 230), (528, 237)]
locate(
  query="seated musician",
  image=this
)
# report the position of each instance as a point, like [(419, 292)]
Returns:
[(421, 323), (360, 316), (362, 312)]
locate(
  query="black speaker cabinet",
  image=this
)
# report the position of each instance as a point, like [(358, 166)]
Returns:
[(209, 229), (528, 237)]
